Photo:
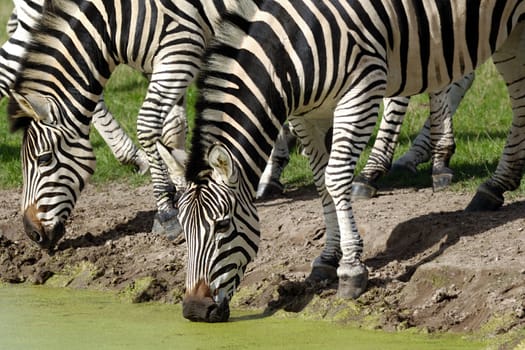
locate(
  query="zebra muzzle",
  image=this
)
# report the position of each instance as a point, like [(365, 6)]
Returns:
[(45, 238), (205, 310)]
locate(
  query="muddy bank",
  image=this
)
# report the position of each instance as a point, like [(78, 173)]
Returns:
[(431, 264)]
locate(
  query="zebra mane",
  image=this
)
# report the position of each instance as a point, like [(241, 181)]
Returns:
[(233, 27), (16, 118), (52, 11), (57, 16)]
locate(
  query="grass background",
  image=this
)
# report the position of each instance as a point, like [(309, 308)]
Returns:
[(481, 125)]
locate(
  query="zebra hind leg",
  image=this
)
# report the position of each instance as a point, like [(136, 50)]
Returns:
[(510, 62), (365, 184)]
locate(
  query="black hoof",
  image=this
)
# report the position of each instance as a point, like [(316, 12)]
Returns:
[(442, 180), (323, 273), (486, 199), (353, 282), (170, 227), (362, 190)]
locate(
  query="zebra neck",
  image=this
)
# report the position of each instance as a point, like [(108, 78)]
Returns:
[(67, 58)]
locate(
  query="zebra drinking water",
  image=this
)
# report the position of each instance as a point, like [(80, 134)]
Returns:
[(325, 65)]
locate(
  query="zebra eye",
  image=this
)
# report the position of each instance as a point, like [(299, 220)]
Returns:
[(44, 159), (222, 226)]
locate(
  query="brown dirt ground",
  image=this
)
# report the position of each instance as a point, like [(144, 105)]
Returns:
[(431, 264)]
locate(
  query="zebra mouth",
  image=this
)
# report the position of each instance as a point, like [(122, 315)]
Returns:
[(205, 310), (44, 238)]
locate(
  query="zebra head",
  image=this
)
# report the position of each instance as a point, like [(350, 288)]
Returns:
[(56, 164), (221, 228)]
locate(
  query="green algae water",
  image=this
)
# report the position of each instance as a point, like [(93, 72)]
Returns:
[(45, 318)]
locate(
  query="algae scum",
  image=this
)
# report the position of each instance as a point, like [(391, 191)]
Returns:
[(36, 317)]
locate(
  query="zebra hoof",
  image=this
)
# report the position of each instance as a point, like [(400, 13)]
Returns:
[(167, 226), (352, 281), (270, 190), (486, 199), (362, 190), (442, 180), (322, 271), (141, 162)]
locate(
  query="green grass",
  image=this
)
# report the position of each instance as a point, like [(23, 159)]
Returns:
[(481, 125)]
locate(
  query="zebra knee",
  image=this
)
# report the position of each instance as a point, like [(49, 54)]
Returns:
[(338, 184)]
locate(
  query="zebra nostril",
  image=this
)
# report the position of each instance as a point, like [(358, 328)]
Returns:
[(36, 236), (218, 312)]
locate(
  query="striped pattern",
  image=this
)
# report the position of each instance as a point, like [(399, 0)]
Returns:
[(437, 131), (436, 138), (11, 53), (75, 48), (324, 64)]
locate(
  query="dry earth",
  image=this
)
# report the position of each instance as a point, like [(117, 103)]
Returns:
[(431, 264)]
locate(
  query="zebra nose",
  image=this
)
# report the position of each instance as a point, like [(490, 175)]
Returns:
[(46, 239), (33, 227), (205, 310), (36, 236), (199, 306)]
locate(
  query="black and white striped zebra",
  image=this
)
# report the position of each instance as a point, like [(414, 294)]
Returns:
[(323, 64), (91, 44), (11, 53), (73, 51)]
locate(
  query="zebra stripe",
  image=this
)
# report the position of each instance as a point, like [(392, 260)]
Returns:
[(322, 65), (74, 49), (443, 106), (436, 140), (11, 53)]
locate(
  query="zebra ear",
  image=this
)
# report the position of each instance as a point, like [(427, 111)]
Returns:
[(174, 161), (35, 106), (222, 163)]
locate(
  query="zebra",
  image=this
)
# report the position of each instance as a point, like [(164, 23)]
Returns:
[(443, 105), (73, 50), (12, 51), (321, 65), (53, 107)]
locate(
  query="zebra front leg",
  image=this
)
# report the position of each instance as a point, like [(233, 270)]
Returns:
[(510, 62), (365, 184), (352, 273), (312, 134), (118, 141), (422, 147), (149, 130), (174, 139), (354, 119), (174, 132)]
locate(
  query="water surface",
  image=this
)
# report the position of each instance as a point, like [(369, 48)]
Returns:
[(45, 318)]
